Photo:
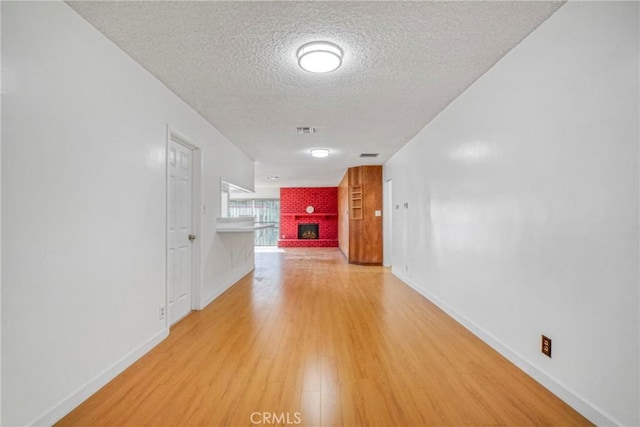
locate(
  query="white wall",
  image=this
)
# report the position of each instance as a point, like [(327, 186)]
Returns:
[(387, 222), (83, 209), (260, 193), (0, 218), (522, 213)]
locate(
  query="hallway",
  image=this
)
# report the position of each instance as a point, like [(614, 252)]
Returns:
[(309, 338)]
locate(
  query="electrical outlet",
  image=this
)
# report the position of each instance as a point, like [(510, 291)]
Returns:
[(546, 346), (161, 313)]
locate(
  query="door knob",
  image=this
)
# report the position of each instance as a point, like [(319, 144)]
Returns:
[(192, 237)]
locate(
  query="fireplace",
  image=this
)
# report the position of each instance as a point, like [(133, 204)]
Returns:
[(308, 231)]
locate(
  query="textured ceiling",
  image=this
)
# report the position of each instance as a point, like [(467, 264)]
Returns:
[(235, 63)]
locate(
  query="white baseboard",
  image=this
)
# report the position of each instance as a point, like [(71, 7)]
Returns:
[(226, 285), (586, 409), (67, 404)]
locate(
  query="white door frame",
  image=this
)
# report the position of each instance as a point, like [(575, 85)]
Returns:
[(196, 219), (387, 223)]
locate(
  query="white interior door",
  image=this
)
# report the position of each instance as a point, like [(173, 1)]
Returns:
[(179, 231)]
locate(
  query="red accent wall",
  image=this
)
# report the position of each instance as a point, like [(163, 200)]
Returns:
[(295, 201)]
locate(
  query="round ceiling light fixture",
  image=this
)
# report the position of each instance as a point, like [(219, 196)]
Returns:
[(319, 57), (320, 152)]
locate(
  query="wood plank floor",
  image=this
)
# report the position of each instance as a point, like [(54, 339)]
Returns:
[(309, 338)]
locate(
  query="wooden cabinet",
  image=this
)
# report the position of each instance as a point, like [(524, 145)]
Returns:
[(360, 215)]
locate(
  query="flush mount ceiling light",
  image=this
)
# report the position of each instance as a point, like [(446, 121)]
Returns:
[(320, 152), (319, 57)]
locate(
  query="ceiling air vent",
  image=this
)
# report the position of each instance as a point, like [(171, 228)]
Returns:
[(306, 130), (369, 155)]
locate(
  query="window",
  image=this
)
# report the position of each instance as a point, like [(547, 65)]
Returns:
[(263, 210)]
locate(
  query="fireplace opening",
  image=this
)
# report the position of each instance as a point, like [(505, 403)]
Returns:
[(308, 231)]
